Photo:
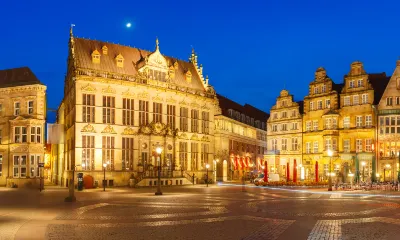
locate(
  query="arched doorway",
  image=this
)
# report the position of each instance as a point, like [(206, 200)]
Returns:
[(225, 171)]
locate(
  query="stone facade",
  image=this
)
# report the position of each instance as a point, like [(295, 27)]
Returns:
[(388, 146), (121, 103), (22, 120), (321, 106), (284, 135), (240, 140)]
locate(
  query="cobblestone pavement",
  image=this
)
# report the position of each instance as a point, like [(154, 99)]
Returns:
[(198, 212)]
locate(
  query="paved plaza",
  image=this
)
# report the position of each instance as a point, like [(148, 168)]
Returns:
[(198, 212)]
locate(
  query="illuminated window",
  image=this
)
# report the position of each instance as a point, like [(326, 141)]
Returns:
[(34, 166), (351, 84), (315, 125), (88, 148), (346, 101), (328, 144), (355, 100), (274, 144), (323, 88), (143, 113), (108, 109), (389, 101), (295, 144), (284, 127), (368, 145), (127, 153), (360, 83), (194, 155), (205, 122), (183, 155), (20, 135), (36, 134), (308, 126), (108, 146), (368, 120), (308, 147), (359, 145), (88, 108), (127, 111), (204, 154), (359, 121), (171, 116), (30, 107), (95, 56), (157, 112), (319, 104), (311, 106), (19, 166), (284, 144), (346, 122), (346, 145), (364, 99), (194, 120), (327, 103), (315, 147), (17, 108), (183, 119)]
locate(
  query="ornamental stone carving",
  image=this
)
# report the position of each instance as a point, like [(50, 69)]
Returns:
[(205, 139), (88, 88), (109, 129), (157, 98), (143, 95), (19, 148), (184, 103), (194, 137), (205, 107), (171, 100), (195, 105), (128, 131), (128, 93), (109, 90), (88, 128), (36, 149)]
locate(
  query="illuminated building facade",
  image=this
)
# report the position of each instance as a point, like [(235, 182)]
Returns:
[(22, 119), (285, 135), (388, 147), (240, 139), (320, 123), (120, 103)]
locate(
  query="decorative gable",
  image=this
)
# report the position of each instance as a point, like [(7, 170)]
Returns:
[(155, 64), (95, 56), (119, 59), (105, 50), (109, 129)]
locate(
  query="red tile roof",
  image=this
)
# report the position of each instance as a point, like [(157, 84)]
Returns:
[(17, 77), (132, 57)]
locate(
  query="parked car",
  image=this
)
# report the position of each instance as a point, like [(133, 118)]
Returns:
[(259, 179)]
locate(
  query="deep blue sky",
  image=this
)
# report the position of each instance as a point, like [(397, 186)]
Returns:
[(249, 49)]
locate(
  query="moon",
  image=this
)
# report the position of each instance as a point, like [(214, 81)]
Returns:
[(128, 25)]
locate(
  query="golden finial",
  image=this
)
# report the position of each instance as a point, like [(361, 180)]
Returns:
[(70, 30), (157, 42)]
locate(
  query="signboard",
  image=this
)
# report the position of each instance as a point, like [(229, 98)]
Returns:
[(41, 164)]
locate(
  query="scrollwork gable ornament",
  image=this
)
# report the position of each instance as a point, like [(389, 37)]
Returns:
[(205, 107), (195, 137), (205, 139), (89, 129), (183, 136), (157, 98), (88, 88), (143, 95), (128, 93), (109, 129), (128, 131), (183, 103), (109, 90), (195, 105), (171, 100)]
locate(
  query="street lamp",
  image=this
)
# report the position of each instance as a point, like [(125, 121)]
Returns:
[(363, 165), (207, 166), (104, 178), (330, 153), (159, 151)]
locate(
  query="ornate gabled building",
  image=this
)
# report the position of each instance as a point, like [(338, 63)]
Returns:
[(320, 123), (284, 134), (357, 122), (120, 103), (240, 139), (22, 119), (388, 147)]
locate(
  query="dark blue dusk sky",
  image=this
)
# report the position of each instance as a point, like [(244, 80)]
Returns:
[(249, 49)]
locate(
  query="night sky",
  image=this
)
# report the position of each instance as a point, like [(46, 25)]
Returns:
[(249, 49)]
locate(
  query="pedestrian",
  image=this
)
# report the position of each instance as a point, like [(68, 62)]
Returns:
[(193, 178)]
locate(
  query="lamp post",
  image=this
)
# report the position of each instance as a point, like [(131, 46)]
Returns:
[(104, 178), (159, 151), (71, 193), (363, 165), (207, 166), (330, 153), (351, 175)]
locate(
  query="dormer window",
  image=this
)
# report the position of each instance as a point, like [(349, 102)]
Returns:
[(188, 76), (119, 60), (95, 56), (105, 50)]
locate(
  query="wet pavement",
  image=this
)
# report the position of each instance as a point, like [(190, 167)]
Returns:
[(198, 212)]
